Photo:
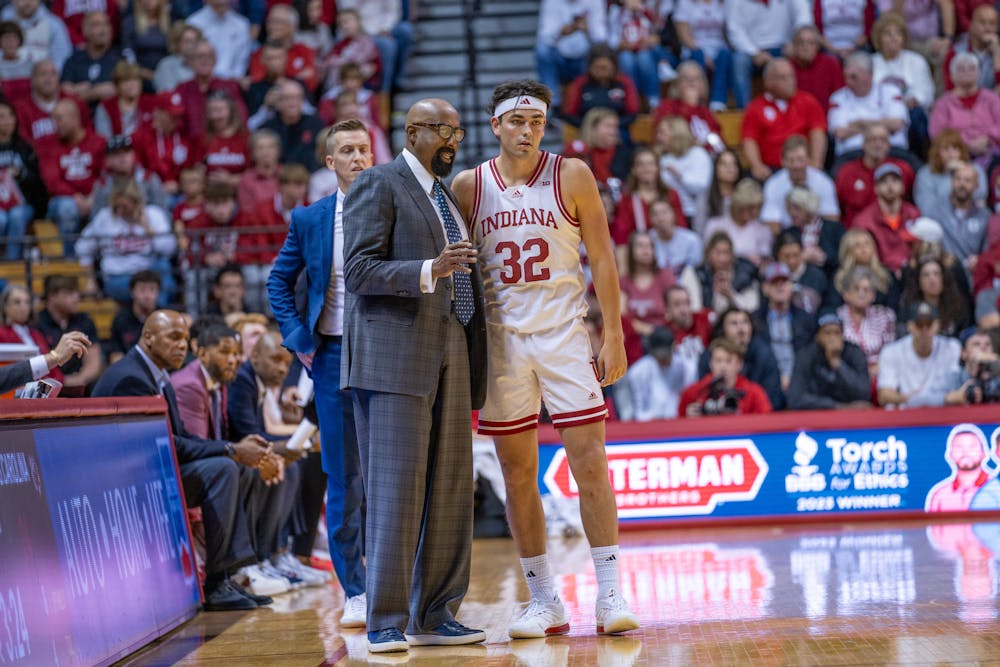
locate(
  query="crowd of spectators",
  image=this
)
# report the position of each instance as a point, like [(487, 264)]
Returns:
[(170, 142), (132, 125), (847, 253)]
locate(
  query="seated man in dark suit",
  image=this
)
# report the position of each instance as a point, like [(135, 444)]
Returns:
[(210, 469), (266, 370), (72, 344)]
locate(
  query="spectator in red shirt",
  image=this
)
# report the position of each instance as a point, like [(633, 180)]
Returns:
[(129, 108), (214, 238), (73, 13), (816, 73), (601, 86), (192, 203), (643, 283), (600, 146), (855, 180), (692, 329), (194, 93), (688, 98), (161, 145), (34, 112), (982, 42), (782, 111), (888, 217), (352, 45), (281, 23), (351, 81), (226, 146), (256, 251), (259, 183), (71, 160), (643, 186), (723, 390)]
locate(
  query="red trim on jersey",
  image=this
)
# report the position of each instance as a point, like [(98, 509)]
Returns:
[(479, 195), (582, 421), (533, 426), (496, 175), (538, 169), (556, 175), (579, 413), (522, 425)]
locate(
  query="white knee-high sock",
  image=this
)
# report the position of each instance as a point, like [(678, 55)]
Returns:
[(539, 577), (606, 568)]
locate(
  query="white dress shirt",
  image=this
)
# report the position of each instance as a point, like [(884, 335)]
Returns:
[(331, 319), (426, 180)]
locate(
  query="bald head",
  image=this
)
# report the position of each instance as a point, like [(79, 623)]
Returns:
[(423, 134), (164, 339), (66, 118), (270, 361), (779, 79)]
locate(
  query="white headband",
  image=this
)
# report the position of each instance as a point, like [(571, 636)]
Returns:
[(518, 103)]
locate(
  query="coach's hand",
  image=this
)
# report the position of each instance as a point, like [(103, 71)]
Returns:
[(611, 362), (454, 257)]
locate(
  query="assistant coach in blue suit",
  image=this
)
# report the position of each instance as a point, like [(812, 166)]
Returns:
[(414, 356), (315, 243)]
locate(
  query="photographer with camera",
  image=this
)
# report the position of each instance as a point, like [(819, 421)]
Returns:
[(978, 379), (724, 391)]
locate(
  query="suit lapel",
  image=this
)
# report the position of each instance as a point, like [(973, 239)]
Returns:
[(420, 198)]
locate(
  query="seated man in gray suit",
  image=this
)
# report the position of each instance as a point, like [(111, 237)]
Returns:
[(414, 356)]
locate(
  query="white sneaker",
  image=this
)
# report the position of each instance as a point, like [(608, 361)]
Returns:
[(288, 564), (261, 583), (355, 612), (613, 614), (540, 619), (294, 583)]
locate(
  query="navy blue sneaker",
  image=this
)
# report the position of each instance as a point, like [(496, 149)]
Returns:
[(386, 640), (451, 633)]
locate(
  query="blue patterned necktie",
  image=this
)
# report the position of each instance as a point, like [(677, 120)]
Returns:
[(465, 306)]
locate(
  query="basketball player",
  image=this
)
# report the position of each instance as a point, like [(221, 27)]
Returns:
[(528, 211)]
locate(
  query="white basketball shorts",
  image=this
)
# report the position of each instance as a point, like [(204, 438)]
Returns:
[(555, 365)]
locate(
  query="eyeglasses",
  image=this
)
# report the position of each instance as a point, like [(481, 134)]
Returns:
[(445, 131)]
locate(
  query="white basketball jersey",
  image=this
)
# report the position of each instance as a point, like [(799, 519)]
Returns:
[(529, 249)]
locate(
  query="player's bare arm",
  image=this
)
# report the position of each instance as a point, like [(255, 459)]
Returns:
[(581, 198), (464, 188)]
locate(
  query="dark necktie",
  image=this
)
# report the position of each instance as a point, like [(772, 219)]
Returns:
[(215, 400), (465, 306)]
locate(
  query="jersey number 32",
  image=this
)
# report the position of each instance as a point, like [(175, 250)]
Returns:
[(523, 261)]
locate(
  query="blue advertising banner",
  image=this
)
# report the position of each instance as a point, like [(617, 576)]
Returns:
[(948, 467), (96, 552)]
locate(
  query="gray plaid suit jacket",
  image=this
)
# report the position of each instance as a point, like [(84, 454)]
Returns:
[(394, 333)]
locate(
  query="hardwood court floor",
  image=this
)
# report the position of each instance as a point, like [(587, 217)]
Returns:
[(863, 594)]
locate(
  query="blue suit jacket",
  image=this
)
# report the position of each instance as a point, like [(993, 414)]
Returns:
[(246, 415), (309, 246)]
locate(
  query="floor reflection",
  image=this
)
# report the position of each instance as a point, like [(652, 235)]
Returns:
[(847, 595)]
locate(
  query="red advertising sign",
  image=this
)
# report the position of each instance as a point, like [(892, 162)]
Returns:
[(677, 478)]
